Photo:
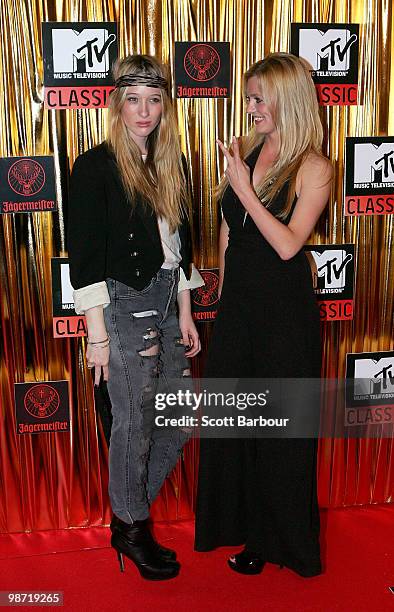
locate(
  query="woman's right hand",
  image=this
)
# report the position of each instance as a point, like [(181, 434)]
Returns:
[(98, 358)]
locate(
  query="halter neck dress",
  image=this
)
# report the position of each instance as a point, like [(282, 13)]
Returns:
[(262, 492)]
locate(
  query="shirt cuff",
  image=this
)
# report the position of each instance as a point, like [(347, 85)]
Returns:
[(91, 296), (196, 280)]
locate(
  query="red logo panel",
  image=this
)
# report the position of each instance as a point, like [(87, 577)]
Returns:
[(202, 62), (26, 177), (42, 401)]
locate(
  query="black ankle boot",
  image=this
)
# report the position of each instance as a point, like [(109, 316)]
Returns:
[(164, 553), (136, 542)]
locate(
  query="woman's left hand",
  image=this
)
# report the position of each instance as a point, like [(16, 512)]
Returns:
[(189, 335), (237, 172)]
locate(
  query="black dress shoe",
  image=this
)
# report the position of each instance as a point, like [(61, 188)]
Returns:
[(135, 542), (246, 562), (165, 553)]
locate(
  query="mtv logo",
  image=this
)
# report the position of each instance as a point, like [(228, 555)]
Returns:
[(91, 46), (373, 163), (326, 50), (376, 376), (67, 288), (331, 267)]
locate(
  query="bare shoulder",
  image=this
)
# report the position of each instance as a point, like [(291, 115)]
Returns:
[(316, 171)]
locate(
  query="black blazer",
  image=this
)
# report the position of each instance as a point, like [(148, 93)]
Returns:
[(106, 236)]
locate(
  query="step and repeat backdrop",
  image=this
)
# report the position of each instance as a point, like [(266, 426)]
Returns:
[(55, 68)]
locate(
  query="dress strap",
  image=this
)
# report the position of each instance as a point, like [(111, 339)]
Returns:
[(251, 159)]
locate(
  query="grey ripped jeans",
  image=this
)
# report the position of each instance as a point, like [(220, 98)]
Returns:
[(146, 351)]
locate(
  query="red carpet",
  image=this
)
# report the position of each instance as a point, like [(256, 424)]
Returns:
[(358, 555)]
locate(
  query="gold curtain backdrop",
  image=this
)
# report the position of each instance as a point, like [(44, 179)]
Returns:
[(59, 480)]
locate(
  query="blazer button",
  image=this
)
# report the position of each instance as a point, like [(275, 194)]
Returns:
[(134, 254), (130, 236), (137, 272)]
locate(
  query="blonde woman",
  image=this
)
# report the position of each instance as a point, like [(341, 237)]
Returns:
[(277, 183), (130, 262)]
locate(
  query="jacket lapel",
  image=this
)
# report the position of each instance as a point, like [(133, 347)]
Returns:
[(145, 213)]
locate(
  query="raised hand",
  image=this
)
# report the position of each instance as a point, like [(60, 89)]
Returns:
[(237, 172)]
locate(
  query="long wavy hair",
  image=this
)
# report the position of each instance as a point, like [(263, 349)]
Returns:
[(160, 180), (287, 87)]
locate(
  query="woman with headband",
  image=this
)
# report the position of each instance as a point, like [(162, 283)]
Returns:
[(130, 264)]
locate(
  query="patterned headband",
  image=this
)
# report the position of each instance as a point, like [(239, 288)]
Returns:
[(128, 80)]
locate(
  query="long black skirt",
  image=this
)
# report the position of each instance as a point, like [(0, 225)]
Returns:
[(263, 492)]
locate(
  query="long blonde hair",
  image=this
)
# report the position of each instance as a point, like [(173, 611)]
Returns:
[(287, 87), (160, 180)]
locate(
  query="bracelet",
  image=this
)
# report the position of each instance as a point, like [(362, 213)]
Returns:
[(108, 339), (102, 345)]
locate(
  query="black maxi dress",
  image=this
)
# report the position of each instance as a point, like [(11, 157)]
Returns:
[(262, 492)]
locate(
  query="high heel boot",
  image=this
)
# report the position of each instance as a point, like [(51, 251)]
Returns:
[(135, 542), (164, 553)]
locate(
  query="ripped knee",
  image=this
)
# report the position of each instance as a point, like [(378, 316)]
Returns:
[(151, 343)]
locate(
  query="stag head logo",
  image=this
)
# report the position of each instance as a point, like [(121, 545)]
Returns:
[(26, 177), (202, 62), (208, 294), (42, 401)]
